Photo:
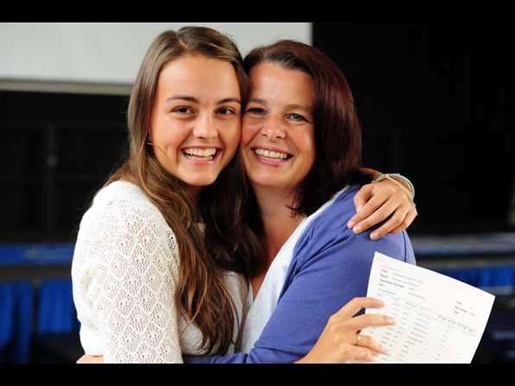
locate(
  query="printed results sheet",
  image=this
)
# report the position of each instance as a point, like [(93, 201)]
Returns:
[(438, 319)]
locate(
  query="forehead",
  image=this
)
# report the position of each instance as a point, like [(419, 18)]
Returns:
[(199, 74), (271, 81)]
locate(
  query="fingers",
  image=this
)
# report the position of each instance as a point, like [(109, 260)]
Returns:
[(362, 196), (354, 306), (398, 221), (379, 203), (360, 200), (360, 322), (361, 354), (410, 217), (365, 351), (370, 205), (342, 341), (382, 213), (371, 344), (355, 345)]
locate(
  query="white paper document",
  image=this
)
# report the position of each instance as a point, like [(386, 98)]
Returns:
[(438, 319)]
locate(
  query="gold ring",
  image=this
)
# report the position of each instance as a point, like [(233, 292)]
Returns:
[(358, 339)]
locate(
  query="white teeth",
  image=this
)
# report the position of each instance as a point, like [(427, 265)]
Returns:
[(200, 152), (271, 154)]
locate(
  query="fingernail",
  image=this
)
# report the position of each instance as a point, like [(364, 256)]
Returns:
[(351, 223), (373, 236), (380, 302), (357, 229), (390, 320)]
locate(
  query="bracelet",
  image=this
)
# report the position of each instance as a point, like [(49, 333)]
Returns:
[(394, 177)]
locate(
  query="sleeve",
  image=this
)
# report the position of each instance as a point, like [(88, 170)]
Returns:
[(131, 289), (331, 267)]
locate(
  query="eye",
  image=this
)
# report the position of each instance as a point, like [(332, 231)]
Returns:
[(255, 111), (227, 111), (296, 117), (183, 110)]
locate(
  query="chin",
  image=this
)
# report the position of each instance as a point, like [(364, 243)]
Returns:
[(201, 182), (270, 180)]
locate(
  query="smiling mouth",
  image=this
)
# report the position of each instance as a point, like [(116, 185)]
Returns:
[(201, 154), (271, 155)]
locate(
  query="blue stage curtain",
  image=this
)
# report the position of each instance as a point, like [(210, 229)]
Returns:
[(16, 304), (6, 317), (496, 279), (56, 311)]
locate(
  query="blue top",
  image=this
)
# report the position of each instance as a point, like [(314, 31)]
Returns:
[(331, 265)]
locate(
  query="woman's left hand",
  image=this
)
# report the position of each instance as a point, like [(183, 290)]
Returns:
[(376, 202), (341, 340), (91, 359)]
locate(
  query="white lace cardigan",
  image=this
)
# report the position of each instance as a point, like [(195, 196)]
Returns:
[(124, 275)]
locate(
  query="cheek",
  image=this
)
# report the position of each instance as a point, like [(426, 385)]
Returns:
[(166, 133), (307, 142), (248, 131)]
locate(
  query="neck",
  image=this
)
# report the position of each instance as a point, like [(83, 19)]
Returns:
[(279, 222), (193, 192), (278, 219)]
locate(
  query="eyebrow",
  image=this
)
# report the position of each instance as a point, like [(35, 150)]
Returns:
[(257, 100), (295, 106), (195, 100), (288, 107)]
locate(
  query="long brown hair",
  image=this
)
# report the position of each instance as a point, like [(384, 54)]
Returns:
[(201, 293)]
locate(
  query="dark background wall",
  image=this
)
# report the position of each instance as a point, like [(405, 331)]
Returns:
[(56, 150), (432, 97), (433, 100)]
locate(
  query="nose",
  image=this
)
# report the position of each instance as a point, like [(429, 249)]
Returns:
[(205, 127), (274, 128)]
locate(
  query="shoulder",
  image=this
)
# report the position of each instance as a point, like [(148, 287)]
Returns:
[(121, 194), (329, 232), (336, 212), (125, 204), (329, 222), (123, 218)]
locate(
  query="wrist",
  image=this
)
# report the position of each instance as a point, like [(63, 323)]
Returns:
[(400, 180)]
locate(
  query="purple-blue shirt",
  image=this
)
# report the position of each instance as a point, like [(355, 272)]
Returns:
[(331, 265)]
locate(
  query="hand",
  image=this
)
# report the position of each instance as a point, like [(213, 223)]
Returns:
[(91, 359), (341, 340), (376, 202)]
